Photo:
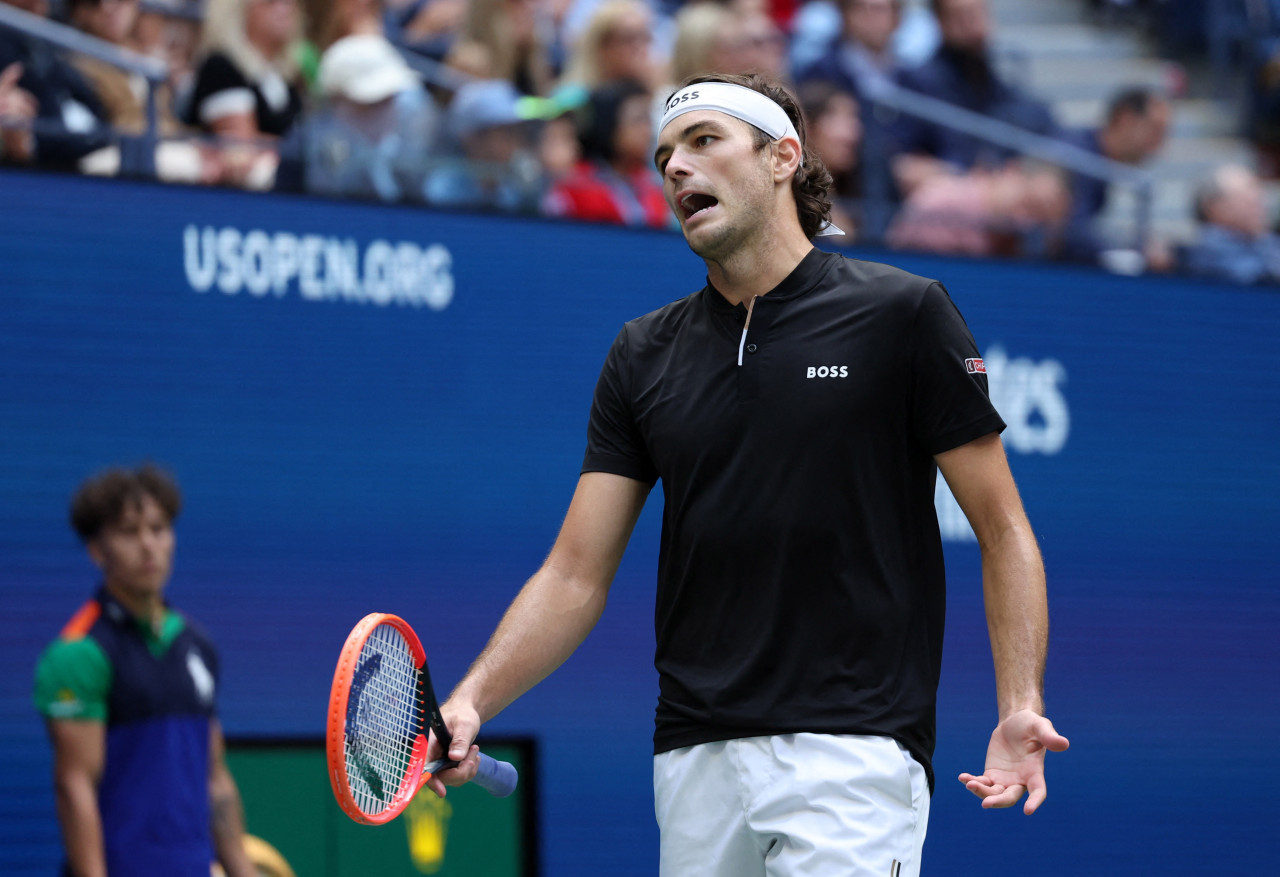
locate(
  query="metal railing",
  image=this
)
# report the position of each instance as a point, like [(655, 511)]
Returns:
[(1037, 146), (433, 72)]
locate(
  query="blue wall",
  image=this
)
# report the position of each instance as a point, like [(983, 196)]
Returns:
[(373, 408)]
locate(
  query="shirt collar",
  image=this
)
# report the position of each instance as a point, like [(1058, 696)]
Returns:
[(803, 277)]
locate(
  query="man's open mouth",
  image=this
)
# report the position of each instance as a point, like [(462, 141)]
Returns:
[(696, 202)]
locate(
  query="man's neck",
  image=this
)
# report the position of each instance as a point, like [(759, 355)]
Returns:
[(754, 270), (147, 608)]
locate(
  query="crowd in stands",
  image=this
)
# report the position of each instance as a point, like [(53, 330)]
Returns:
[(548, 106)]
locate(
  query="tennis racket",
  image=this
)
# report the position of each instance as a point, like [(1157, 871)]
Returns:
[(380, 709)]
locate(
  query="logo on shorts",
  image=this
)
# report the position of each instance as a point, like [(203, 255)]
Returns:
[(975, 366)]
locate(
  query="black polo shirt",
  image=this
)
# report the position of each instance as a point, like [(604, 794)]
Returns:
[(800, 578)]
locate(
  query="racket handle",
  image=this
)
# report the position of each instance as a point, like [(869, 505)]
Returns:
[(498, 778)]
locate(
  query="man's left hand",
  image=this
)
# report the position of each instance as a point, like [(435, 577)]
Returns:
[(1015, 762)]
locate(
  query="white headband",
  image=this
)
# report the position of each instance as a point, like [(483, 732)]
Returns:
[(738, 101), (742, 103)]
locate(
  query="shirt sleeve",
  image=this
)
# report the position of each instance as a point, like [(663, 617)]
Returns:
[(73, 679), (615, 443), (220, 90), (951, 404)]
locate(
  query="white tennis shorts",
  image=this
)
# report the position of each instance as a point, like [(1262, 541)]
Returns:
[(792, 805)]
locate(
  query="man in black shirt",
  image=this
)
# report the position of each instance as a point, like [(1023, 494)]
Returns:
[(797, 410)]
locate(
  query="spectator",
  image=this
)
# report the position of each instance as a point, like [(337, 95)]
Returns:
[(128, 692), (702, 42), (818, 24), (834, 129), (124, 96), (247, 91), (518, 46), (1137, 122), (863, 57), (73, 122), (1011, 211), (961, 72), (377, 127), (495, 166), (1234, 242), (757, 45), (716, 37), (615, 45), (169, 31), (615, 182), (247, 85), (559, 149), (556, 142), (864, 53), (121, 92)]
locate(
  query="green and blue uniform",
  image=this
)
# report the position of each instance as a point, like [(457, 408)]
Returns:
[(155, 691)]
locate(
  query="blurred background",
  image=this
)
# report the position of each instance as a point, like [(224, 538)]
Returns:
[(350, 270)]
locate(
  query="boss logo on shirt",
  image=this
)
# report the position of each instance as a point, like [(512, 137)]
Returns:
[(828, 371)]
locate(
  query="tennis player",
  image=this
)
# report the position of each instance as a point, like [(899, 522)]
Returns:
[(797, 410)]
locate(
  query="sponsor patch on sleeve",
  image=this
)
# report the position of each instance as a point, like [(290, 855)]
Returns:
[(975, 366)]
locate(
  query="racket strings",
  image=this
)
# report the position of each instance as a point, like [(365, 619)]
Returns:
[(387, 720)]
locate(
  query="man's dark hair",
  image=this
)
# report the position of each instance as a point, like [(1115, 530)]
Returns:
[(1136, 100), (811, 184), (102, 499)]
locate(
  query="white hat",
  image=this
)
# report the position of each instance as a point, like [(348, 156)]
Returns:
[(364, 68)]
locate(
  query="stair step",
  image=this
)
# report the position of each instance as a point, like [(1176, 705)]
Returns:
[(1204, 117), (1182, 152), (1075, 41), (1045, 72), (1013, 12)]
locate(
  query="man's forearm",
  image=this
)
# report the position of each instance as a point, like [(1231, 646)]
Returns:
[(1013, 583), (228, 825), (548, 620), (77, 806)]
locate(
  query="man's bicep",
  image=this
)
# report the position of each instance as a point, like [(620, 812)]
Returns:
[(79, 748), (598, 525), (978, 474)]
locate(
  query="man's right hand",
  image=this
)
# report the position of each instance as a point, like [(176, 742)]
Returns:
[(464, 723)]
